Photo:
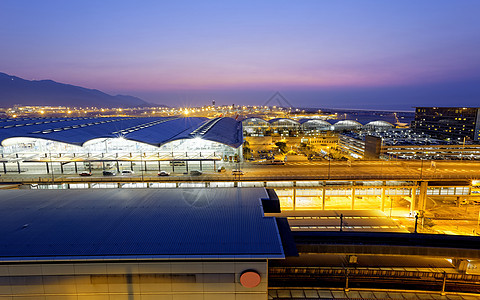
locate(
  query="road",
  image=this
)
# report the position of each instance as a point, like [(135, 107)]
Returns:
[(303, 170), (413, 170)]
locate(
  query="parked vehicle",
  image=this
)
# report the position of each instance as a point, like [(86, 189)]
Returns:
[(127, 172), (221, 169), (177, 163), (85, 174)]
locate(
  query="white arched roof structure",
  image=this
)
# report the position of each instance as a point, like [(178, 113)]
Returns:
[(347, 125), (379, 124)]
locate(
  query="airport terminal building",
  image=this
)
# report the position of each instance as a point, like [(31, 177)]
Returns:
[(137, 244), (136, 143)]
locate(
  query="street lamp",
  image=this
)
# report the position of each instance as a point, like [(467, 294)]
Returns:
[(141, 164), (51, 166)]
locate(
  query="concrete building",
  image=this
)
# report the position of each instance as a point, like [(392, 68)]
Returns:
[(454, 123)]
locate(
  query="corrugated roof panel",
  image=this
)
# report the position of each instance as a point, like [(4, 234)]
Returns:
[(171, 130), (55, 224), (226, 131)]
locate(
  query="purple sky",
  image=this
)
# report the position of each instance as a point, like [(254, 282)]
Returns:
[(358, 54)]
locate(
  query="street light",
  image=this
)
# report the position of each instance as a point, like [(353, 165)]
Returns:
[(51, 166), (141, 164)]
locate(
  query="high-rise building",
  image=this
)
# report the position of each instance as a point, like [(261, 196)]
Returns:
[(454, 123)]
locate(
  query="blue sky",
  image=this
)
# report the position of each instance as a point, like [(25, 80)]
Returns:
[(357, 54)]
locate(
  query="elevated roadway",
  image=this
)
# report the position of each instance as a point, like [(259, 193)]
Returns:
[(291, 171)]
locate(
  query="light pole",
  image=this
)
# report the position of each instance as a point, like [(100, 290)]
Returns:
[(51, 166), (141, 164), (416, 223)]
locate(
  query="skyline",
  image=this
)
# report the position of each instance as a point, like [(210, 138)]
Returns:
[(368, 54)]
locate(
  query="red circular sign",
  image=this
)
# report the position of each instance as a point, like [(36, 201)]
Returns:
[(250, 279)]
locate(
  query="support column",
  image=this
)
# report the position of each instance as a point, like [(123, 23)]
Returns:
[(46, 164), (383, 196), (5, 168), (131, 164), (323, 197), (118, 166), (18, 167), (76, 167), (294, 197), (413, 195), (353, 196), (422, 198), (201, 166)]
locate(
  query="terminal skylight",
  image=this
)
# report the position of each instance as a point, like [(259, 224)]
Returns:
[(205, 127)]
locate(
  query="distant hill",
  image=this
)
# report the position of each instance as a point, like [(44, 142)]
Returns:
[(15, 90)]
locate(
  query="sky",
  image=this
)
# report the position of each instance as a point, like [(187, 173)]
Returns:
[(317, 53)]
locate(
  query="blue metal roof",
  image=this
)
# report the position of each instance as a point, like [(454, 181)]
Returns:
[(136, 223), (152, 130)]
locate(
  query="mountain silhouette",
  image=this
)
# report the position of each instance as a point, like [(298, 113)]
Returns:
[(18, 91)]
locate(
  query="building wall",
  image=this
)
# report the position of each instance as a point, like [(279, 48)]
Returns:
[(137, 280), (373, 146)]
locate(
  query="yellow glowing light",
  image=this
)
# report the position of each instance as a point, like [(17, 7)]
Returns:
[(42, 112), (69, 112), (14, 116)]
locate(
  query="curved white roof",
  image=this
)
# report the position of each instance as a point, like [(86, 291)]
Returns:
[(254, 119), (379, 124), (314, 121), (347, 123), (283, 119)]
